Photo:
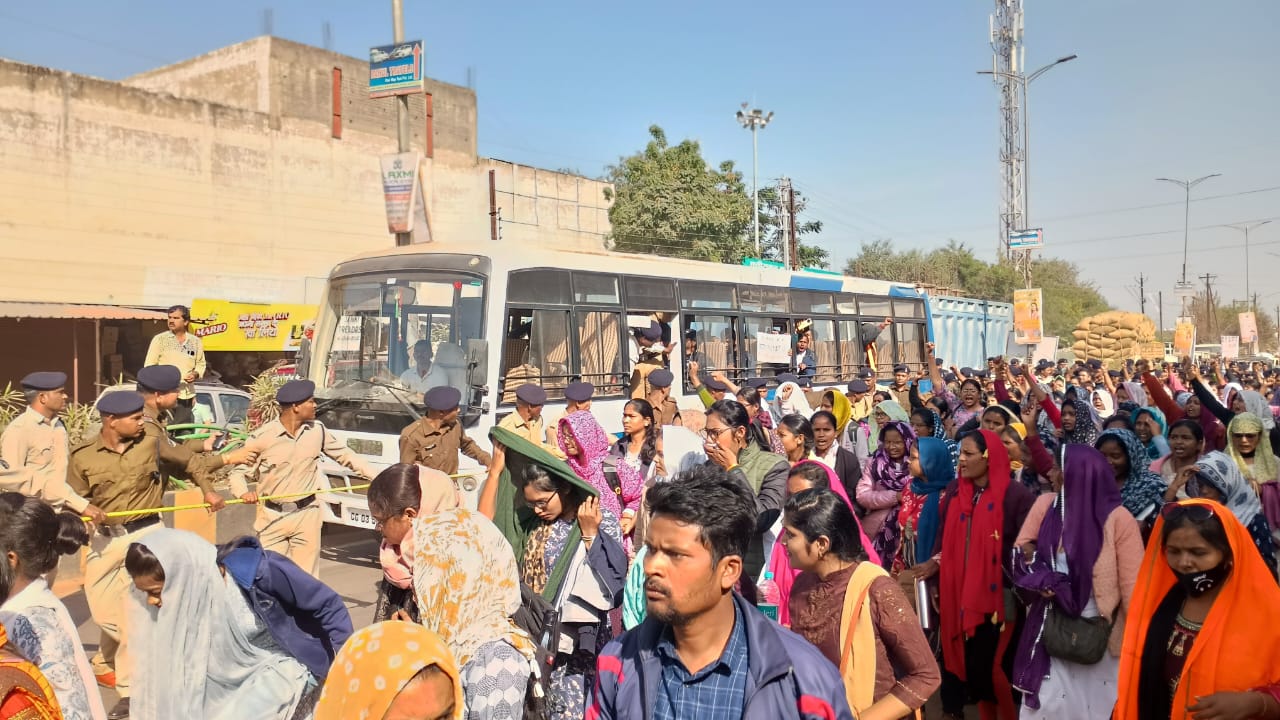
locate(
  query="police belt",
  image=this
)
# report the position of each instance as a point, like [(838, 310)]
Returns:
[(114, 531), (288, 507)]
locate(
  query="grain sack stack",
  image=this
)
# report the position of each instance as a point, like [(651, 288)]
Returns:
[(1112, 337)]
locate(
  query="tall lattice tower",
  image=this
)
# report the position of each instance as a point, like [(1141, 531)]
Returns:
[(1007, 56)]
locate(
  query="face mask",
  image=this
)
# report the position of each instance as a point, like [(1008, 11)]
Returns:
[(1198, 583)]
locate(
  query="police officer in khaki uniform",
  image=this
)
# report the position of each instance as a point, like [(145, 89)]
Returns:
[(436, 440), (527, 420), (288, 462), (118, 470), (159, 387), (34, 447), (665, 410)]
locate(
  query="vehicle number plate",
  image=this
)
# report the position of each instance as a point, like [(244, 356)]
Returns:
[(360, 517)]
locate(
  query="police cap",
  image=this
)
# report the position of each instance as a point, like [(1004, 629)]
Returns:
[(787, 377), (579, 391), (530, 394), (159, 378), (45, 381), (858, 386), (755, 383), (442, 398), (120, 402), (715, 385), (661, 378), (295, 391), (866, 373), (653, 332), (899, 368)]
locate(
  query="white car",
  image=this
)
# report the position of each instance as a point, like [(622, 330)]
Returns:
[(402, 51), (228, 405), (377, 56)]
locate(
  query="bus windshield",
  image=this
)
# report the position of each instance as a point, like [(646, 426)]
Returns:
[(397, 335)]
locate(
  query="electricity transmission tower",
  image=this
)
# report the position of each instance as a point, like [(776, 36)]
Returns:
[(1007, 56)]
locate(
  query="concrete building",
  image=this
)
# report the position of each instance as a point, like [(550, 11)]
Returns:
[(244, 175)]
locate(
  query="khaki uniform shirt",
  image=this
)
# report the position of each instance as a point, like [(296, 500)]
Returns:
[(197, 465), (35, 449), (288, 464), (535, 432), (130, 480), (668, 413), (426, 442), (187, 355)]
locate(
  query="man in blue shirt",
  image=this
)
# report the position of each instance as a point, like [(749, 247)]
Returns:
[(703, 652)]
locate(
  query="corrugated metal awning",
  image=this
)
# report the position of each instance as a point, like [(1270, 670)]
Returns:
[(68, 311)]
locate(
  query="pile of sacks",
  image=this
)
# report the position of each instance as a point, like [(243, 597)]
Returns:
[(1112, 336)]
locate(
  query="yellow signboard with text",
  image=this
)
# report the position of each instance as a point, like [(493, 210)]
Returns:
[(223, 325), (1028, 325)]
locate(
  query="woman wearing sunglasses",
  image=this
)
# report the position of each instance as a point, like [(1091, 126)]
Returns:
[(1203, 637)]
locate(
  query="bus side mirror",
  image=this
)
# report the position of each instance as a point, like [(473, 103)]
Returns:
[(477, 362)]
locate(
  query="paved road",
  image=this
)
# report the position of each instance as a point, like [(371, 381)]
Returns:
[(348, 563)]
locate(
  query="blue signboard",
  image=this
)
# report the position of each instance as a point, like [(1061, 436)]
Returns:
[(1026, 239), (396, 69)]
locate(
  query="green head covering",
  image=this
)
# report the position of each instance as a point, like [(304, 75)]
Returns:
[(513, 517)]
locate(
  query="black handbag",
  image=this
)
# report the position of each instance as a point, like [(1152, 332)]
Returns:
[(1075, 639)]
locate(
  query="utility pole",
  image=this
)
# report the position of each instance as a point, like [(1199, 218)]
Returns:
[(791, 226), (1160, 299), (755, 121), (1210, 308), (784, 221), (1183, 287), (1142, 293), (402, 101)]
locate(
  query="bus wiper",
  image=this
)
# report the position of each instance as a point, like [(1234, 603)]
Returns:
[(395, 393)]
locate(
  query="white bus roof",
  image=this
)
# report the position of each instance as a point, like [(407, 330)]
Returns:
[(506, 257)]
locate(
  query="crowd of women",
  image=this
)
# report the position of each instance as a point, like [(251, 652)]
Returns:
[(1083, 546)]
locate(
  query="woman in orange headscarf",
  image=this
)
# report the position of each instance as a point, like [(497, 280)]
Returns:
[(1203, 639), (24, 692), (389, 671)]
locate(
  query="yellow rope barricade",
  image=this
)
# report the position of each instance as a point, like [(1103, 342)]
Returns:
[(238, 501)]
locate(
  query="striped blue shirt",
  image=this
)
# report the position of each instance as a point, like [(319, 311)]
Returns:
[(717, 692)]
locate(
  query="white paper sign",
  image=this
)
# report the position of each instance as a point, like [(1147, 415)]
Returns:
[(1230, 347), (773, 348)]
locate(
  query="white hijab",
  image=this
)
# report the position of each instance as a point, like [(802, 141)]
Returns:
[(794, 404), (194, 661)]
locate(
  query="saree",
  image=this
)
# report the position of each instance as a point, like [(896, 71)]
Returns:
[(1238, 647), (25, 694)]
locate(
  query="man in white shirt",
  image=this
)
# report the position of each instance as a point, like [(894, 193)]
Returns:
[(419, 378), (183, 350)]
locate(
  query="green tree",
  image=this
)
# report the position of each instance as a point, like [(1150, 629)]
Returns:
[(955, 268), (668, 201)]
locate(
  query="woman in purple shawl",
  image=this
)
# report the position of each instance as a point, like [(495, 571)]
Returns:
[(884, 478), (1079, 555)]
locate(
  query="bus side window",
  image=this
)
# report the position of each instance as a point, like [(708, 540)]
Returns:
[(716, 344), (536, 350), (601, 348)]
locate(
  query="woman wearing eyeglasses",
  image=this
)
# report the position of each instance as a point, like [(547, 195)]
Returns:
[(1203, 637), (728, 444)]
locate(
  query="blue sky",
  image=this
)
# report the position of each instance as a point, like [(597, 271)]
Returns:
[(880, 117)]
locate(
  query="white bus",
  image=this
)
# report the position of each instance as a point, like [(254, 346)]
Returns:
[(501, 316)]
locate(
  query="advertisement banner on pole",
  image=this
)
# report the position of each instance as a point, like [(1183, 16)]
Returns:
[(1184, 338), (1030, 239), (396, 69), (401, 189), (1028, 325), (1248, 327), (1230, 347), (223, 325)]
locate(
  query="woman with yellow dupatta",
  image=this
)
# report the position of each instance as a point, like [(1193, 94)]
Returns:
[(854, 612), (24, 693), (1203, 636)]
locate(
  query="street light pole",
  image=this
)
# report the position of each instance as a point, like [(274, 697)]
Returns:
[(1245, 228), (1025, 80), (402, 101), (1186, 185), (755, 121)]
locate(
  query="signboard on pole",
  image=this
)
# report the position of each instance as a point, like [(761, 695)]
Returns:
[(1028, 325), (1248, 327), (396, 69), (401, 189), (1026, 239), (223, 325), (1230, 347), (1184, 338)]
